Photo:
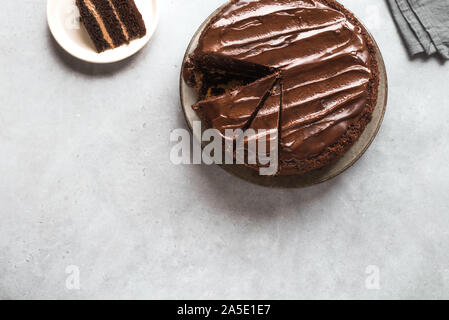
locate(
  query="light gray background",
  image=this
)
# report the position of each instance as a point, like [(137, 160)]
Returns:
[(86, 180)]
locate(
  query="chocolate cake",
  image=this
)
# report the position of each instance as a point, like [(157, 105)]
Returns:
[(327, 70), (111, 23)]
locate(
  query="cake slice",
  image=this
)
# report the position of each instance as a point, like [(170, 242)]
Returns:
[(235, 109), (258, 148), (111, 23)]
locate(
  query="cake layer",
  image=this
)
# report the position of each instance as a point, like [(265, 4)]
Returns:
[(111, 23), (130, 18), (109, 17), (94, 25)]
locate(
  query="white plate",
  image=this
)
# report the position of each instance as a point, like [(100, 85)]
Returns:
[(189, 97), (63, 21)]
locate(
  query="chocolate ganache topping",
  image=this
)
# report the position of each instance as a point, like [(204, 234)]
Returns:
[(326, 64)]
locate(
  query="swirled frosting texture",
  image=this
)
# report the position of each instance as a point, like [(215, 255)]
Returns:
[(323, 58)]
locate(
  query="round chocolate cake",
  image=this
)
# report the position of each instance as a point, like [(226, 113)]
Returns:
[(305, 69)]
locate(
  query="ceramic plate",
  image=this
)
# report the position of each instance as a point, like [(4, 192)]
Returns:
[(63, 21), (189, 97)]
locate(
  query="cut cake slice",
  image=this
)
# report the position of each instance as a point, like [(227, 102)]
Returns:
[(111, 23), (259, 146)]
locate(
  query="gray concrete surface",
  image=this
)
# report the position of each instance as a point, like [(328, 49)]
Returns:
[(86, 181)]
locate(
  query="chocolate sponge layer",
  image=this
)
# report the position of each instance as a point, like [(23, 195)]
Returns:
[(110, 21), (92, 27), (131, 18)]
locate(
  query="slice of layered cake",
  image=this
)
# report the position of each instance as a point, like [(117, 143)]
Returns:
[(111, 23)]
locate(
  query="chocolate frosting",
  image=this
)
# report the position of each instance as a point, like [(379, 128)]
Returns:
[(323, 59)]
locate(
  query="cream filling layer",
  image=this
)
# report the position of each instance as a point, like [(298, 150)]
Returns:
[(125, 32), (100, 22)]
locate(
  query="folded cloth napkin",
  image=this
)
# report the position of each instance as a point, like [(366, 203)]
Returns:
[(424, 25)]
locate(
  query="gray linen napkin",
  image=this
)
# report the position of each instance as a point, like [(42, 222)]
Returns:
[(412, 42), (424, 24)]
